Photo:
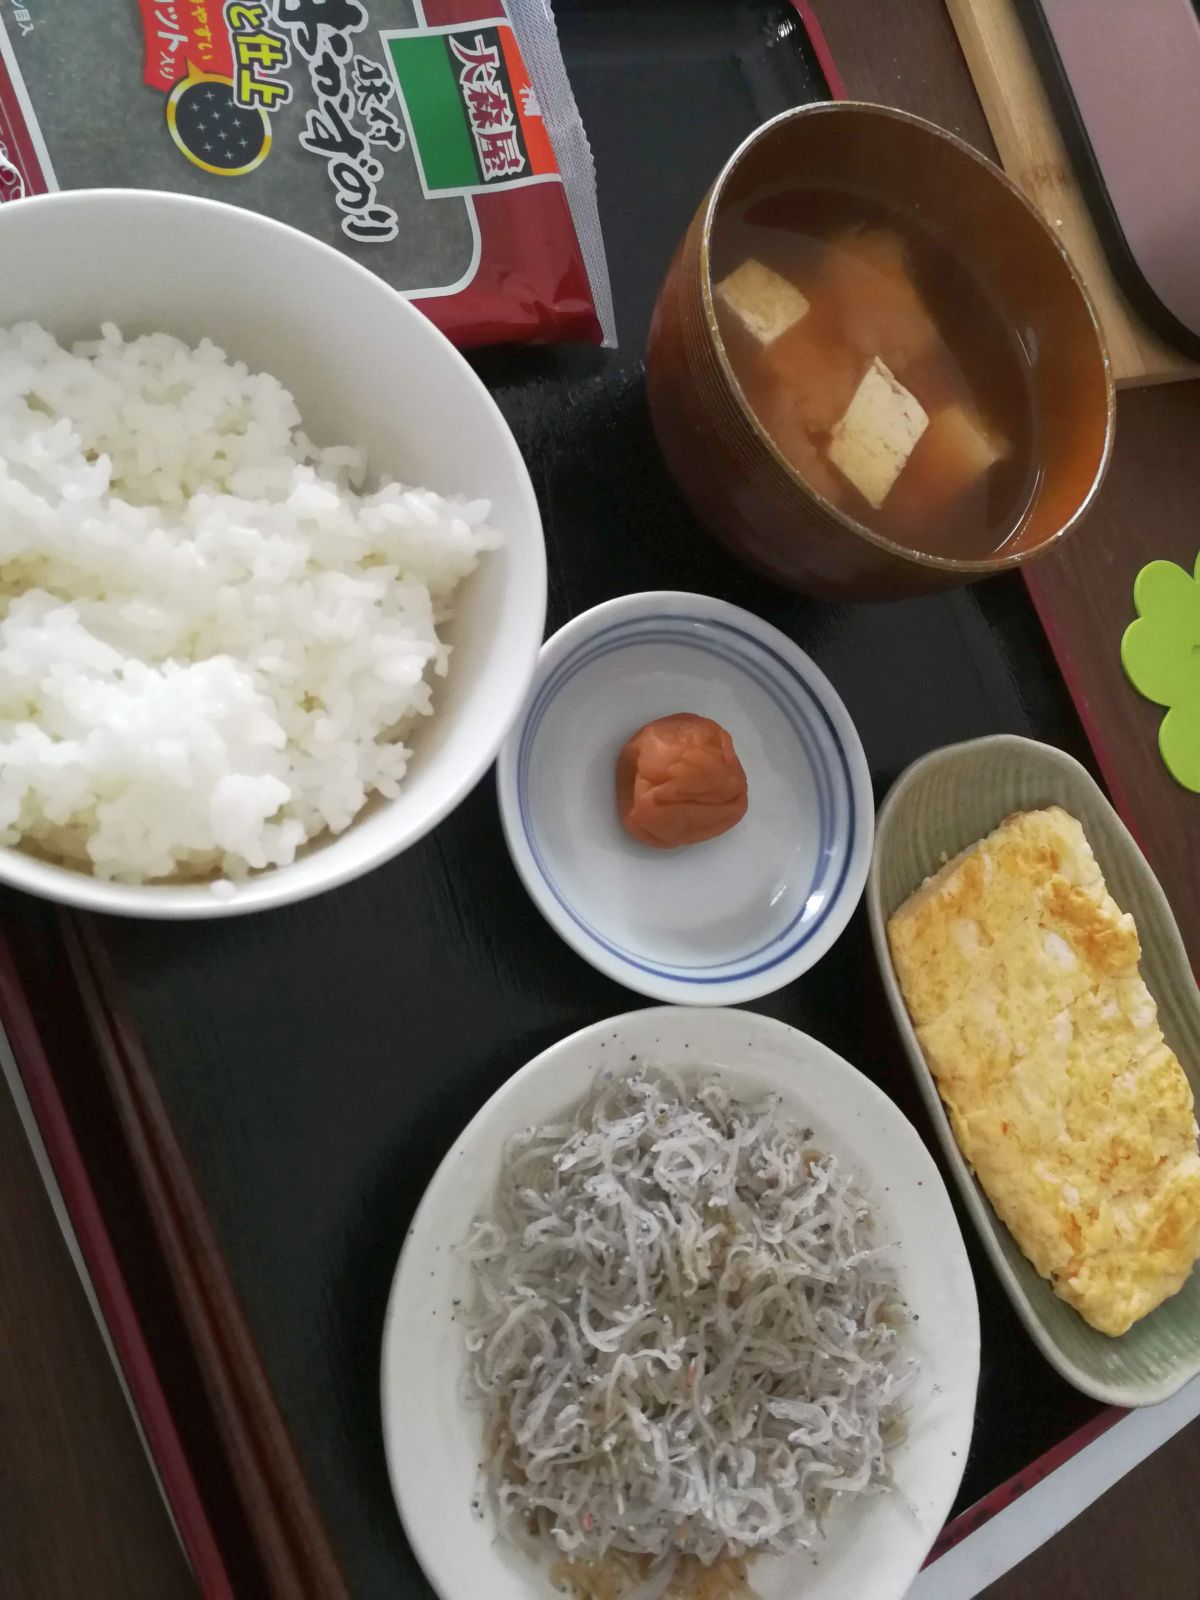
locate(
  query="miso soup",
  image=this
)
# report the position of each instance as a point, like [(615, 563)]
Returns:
[(880, 368)]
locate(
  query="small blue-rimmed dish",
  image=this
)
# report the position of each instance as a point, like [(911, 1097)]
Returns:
[(715, 923)]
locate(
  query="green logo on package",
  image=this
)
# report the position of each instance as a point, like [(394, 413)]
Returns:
[(471, 108)]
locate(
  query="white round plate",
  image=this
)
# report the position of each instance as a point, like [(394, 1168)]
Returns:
[(434, 1437), (710, 924)]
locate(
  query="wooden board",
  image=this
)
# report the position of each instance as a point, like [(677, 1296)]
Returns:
[(1033, 154)]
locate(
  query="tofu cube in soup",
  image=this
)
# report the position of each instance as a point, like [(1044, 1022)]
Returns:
[(765, 304), (813, 375), (878, 366), (882, 310), (957, 449), (877, 434), (962, 448)]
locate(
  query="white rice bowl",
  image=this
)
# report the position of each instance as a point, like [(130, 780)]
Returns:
[(214, 645)]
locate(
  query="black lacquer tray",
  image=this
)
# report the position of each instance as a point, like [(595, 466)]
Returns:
[(317, 1061)]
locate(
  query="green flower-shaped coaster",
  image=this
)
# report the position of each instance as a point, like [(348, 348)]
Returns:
[(1161, 654)]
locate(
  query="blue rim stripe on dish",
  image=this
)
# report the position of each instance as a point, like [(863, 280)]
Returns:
[(649, 630), (670, 628), (690, 974), (638, 629), (793, 713)]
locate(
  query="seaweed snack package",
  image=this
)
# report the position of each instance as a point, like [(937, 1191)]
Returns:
[(435, 141)]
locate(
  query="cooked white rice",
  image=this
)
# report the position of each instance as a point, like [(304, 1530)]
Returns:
[(211, 644)]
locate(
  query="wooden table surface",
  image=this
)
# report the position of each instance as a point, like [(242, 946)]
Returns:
[(80, 1518)]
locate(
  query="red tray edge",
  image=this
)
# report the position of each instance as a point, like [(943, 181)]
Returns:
[(108, 1281)]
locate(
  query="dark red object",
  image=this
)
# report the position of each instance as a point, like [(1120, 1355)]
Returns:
[(20, 169), (530, 285)]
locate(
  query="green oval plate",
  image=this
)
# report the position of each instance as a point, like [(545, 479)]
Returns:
[(939, 806)]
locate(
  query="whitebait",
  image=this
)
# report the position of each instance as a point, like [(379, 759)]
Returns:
[(686, 1338)]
